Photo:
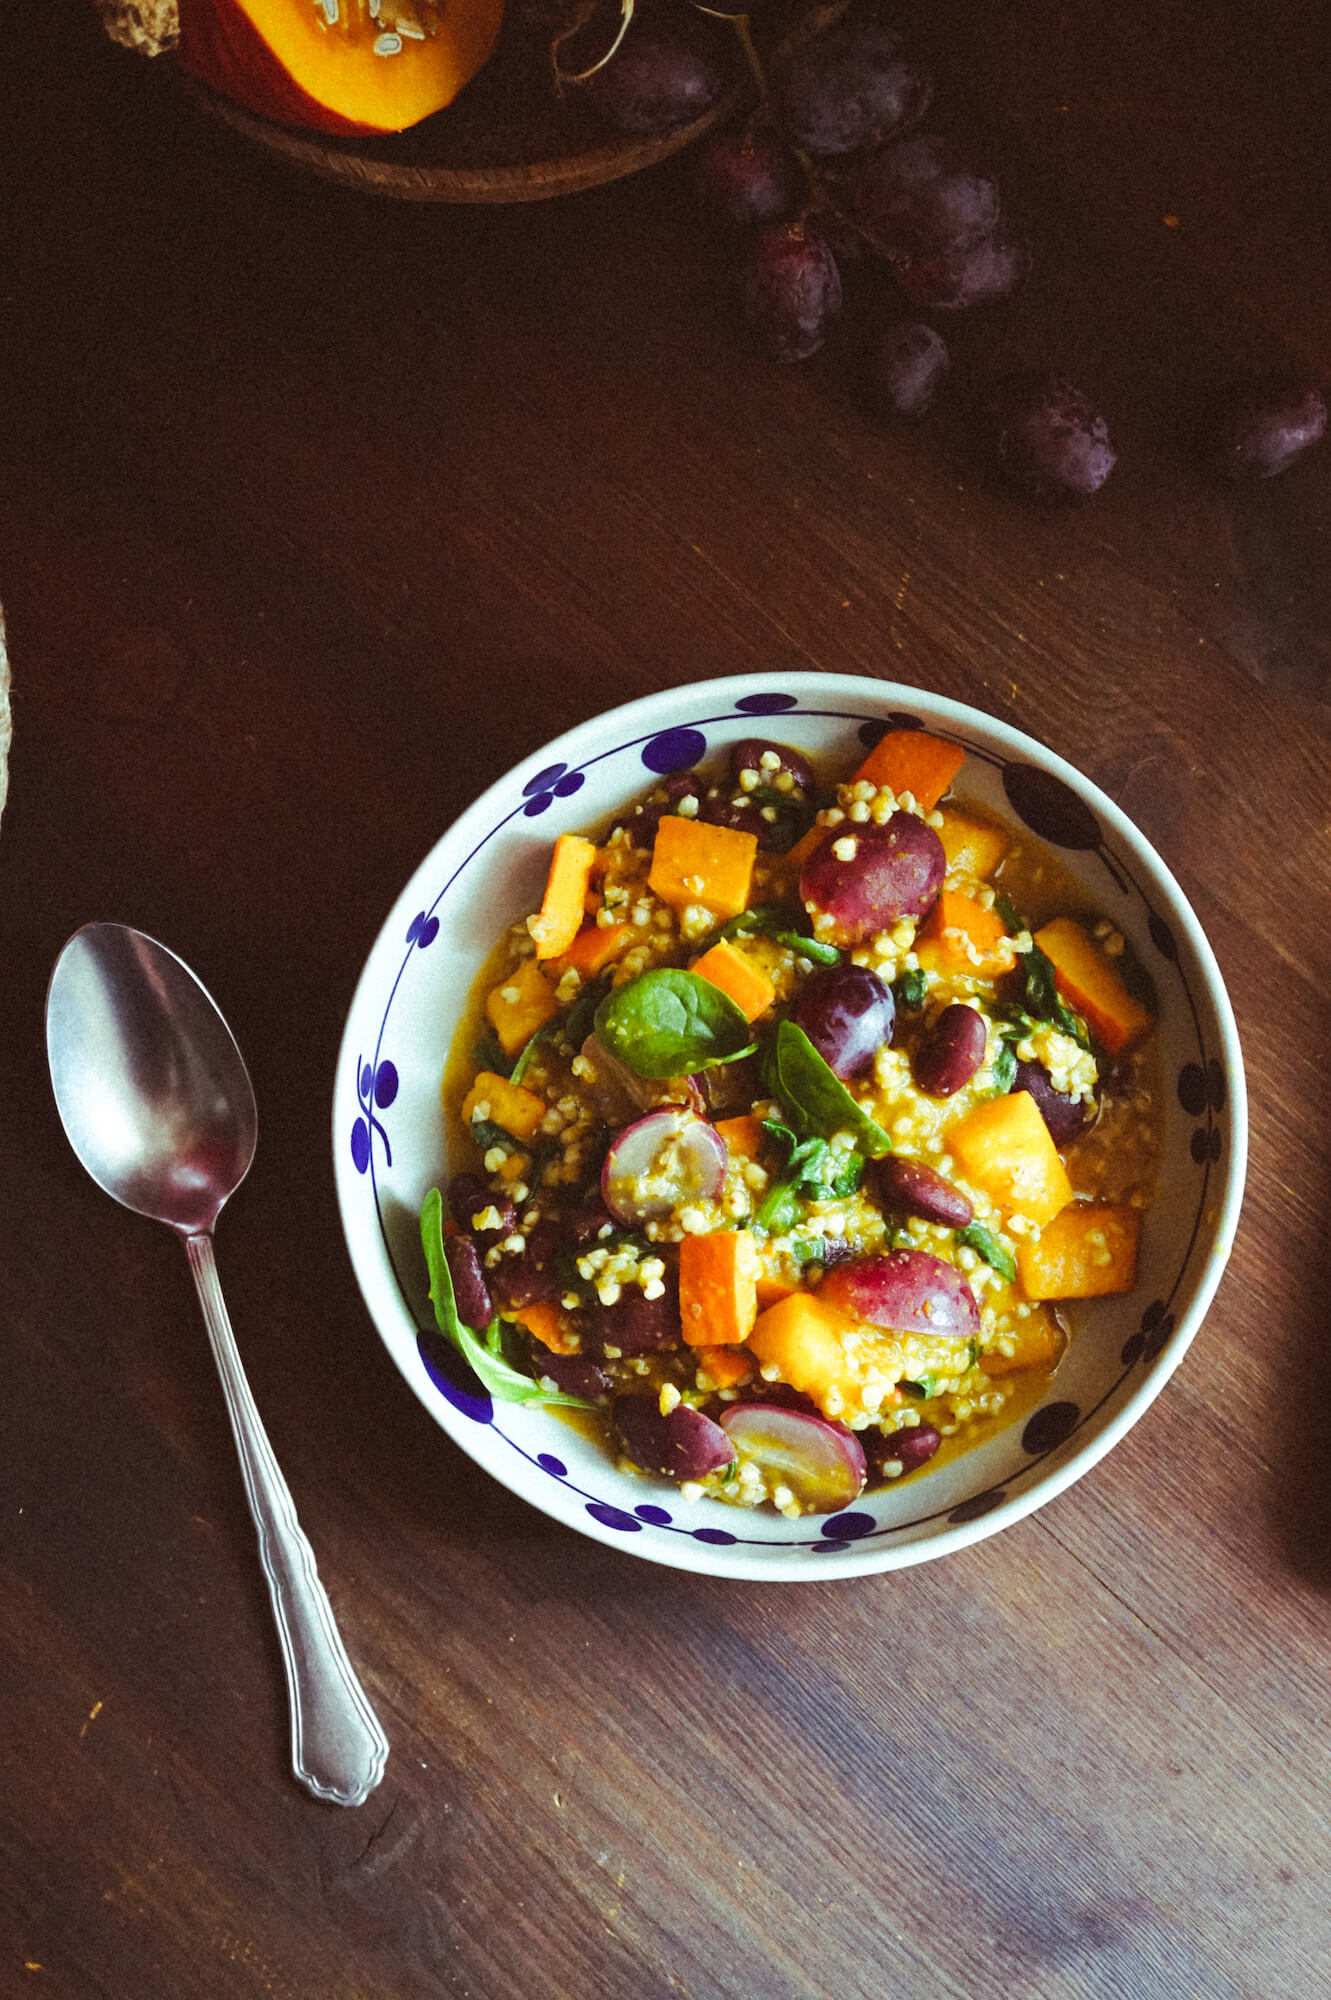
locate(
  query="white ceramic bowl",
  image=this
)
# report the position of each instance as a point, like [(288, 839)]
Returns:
[(489, 868)]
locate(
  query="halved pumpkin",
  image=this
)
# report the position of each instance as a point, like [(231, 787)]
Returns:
[(338, 65)]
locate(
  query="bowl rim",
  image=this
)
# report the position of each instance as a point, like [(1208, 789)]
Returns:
[(821, 696)]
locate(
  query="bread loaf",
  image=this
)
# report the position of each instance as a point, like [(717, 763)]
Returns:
[(147, 25)]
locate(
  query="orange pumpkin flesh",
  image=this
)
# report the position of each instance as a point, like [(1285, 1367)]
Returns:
[(353, 73)]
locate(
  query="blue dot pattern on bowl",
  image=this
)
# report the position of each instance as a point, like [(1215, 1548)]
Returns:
[(454, 1380), (765, 704), (375, 1087), (849, 1527), (1050, 808), (1052, 811), (1050, 1427), (674, 750), (614, 1517)]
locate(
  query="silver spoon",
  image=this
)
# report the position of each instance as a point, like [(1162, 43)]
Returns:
[(157, 1103)]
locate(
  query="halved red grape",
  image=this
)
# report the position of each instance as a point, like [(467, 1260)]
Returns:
[(909, 1187), (821, 1463), (906, 1291), (663, 1162), (685, 1444), (866, 877), (848, 1014)]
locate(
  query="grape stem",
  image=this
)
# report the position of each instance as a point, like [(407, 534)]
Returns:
[(822, 194), (740, 23)]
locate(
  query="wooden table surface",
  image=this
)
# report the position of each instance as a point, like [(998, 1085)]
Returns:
[(316, 513)]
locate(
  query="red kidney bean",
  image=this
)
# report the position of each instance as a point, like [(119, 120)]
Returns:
[(468, 1195), (575, 1374), (665, 798), (910, 1447), (635, 1324), (471, 1294), (683, 1445), (748, 756), (951, 1052), (1062, 1114), (909, 1187), (523, 1277)]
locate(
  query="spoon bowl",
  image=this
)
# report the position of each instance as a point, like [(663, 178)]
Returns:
[(150, 1085), (157, 1103)]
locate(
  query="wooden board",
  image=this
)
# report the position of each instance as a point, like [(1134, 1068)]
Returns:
[(511, 135)]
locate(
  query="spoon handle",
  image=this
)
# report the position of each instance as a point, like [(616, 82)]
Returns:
[(337, 1746)]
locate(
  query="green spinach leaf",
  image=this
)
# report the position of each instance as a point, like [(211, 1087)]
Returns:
[(486, 1134), (817, 1100), (985, 1244), (779, 1210), (1004, 1068), (910, 990), (548, 1033), (1041, 995), (488, 1053), (670, 1022), (483, 1356), (775, 921)]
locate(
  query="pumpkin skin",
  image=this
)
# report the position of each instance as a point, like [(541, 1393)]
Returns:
[(285, 59)]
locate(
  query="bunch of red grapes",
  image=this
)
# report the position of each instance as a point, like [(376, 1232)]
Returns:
[(835, 165)]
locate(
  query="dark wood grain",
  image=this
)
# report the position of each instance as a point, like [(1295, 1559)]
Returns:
[(318, 511)]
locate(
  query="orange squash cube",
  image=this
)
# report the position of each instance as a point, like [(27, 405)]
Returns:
[(1088, 1251), (1088, 982), (697, 864), (960, 936), (909, 760), (823, 1352), (519, 1111), (738, 978), (563, 906), (718, 1288), (972, 846), (1003, 1146), (743, 1136), (594, 947), (520, 1004)]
